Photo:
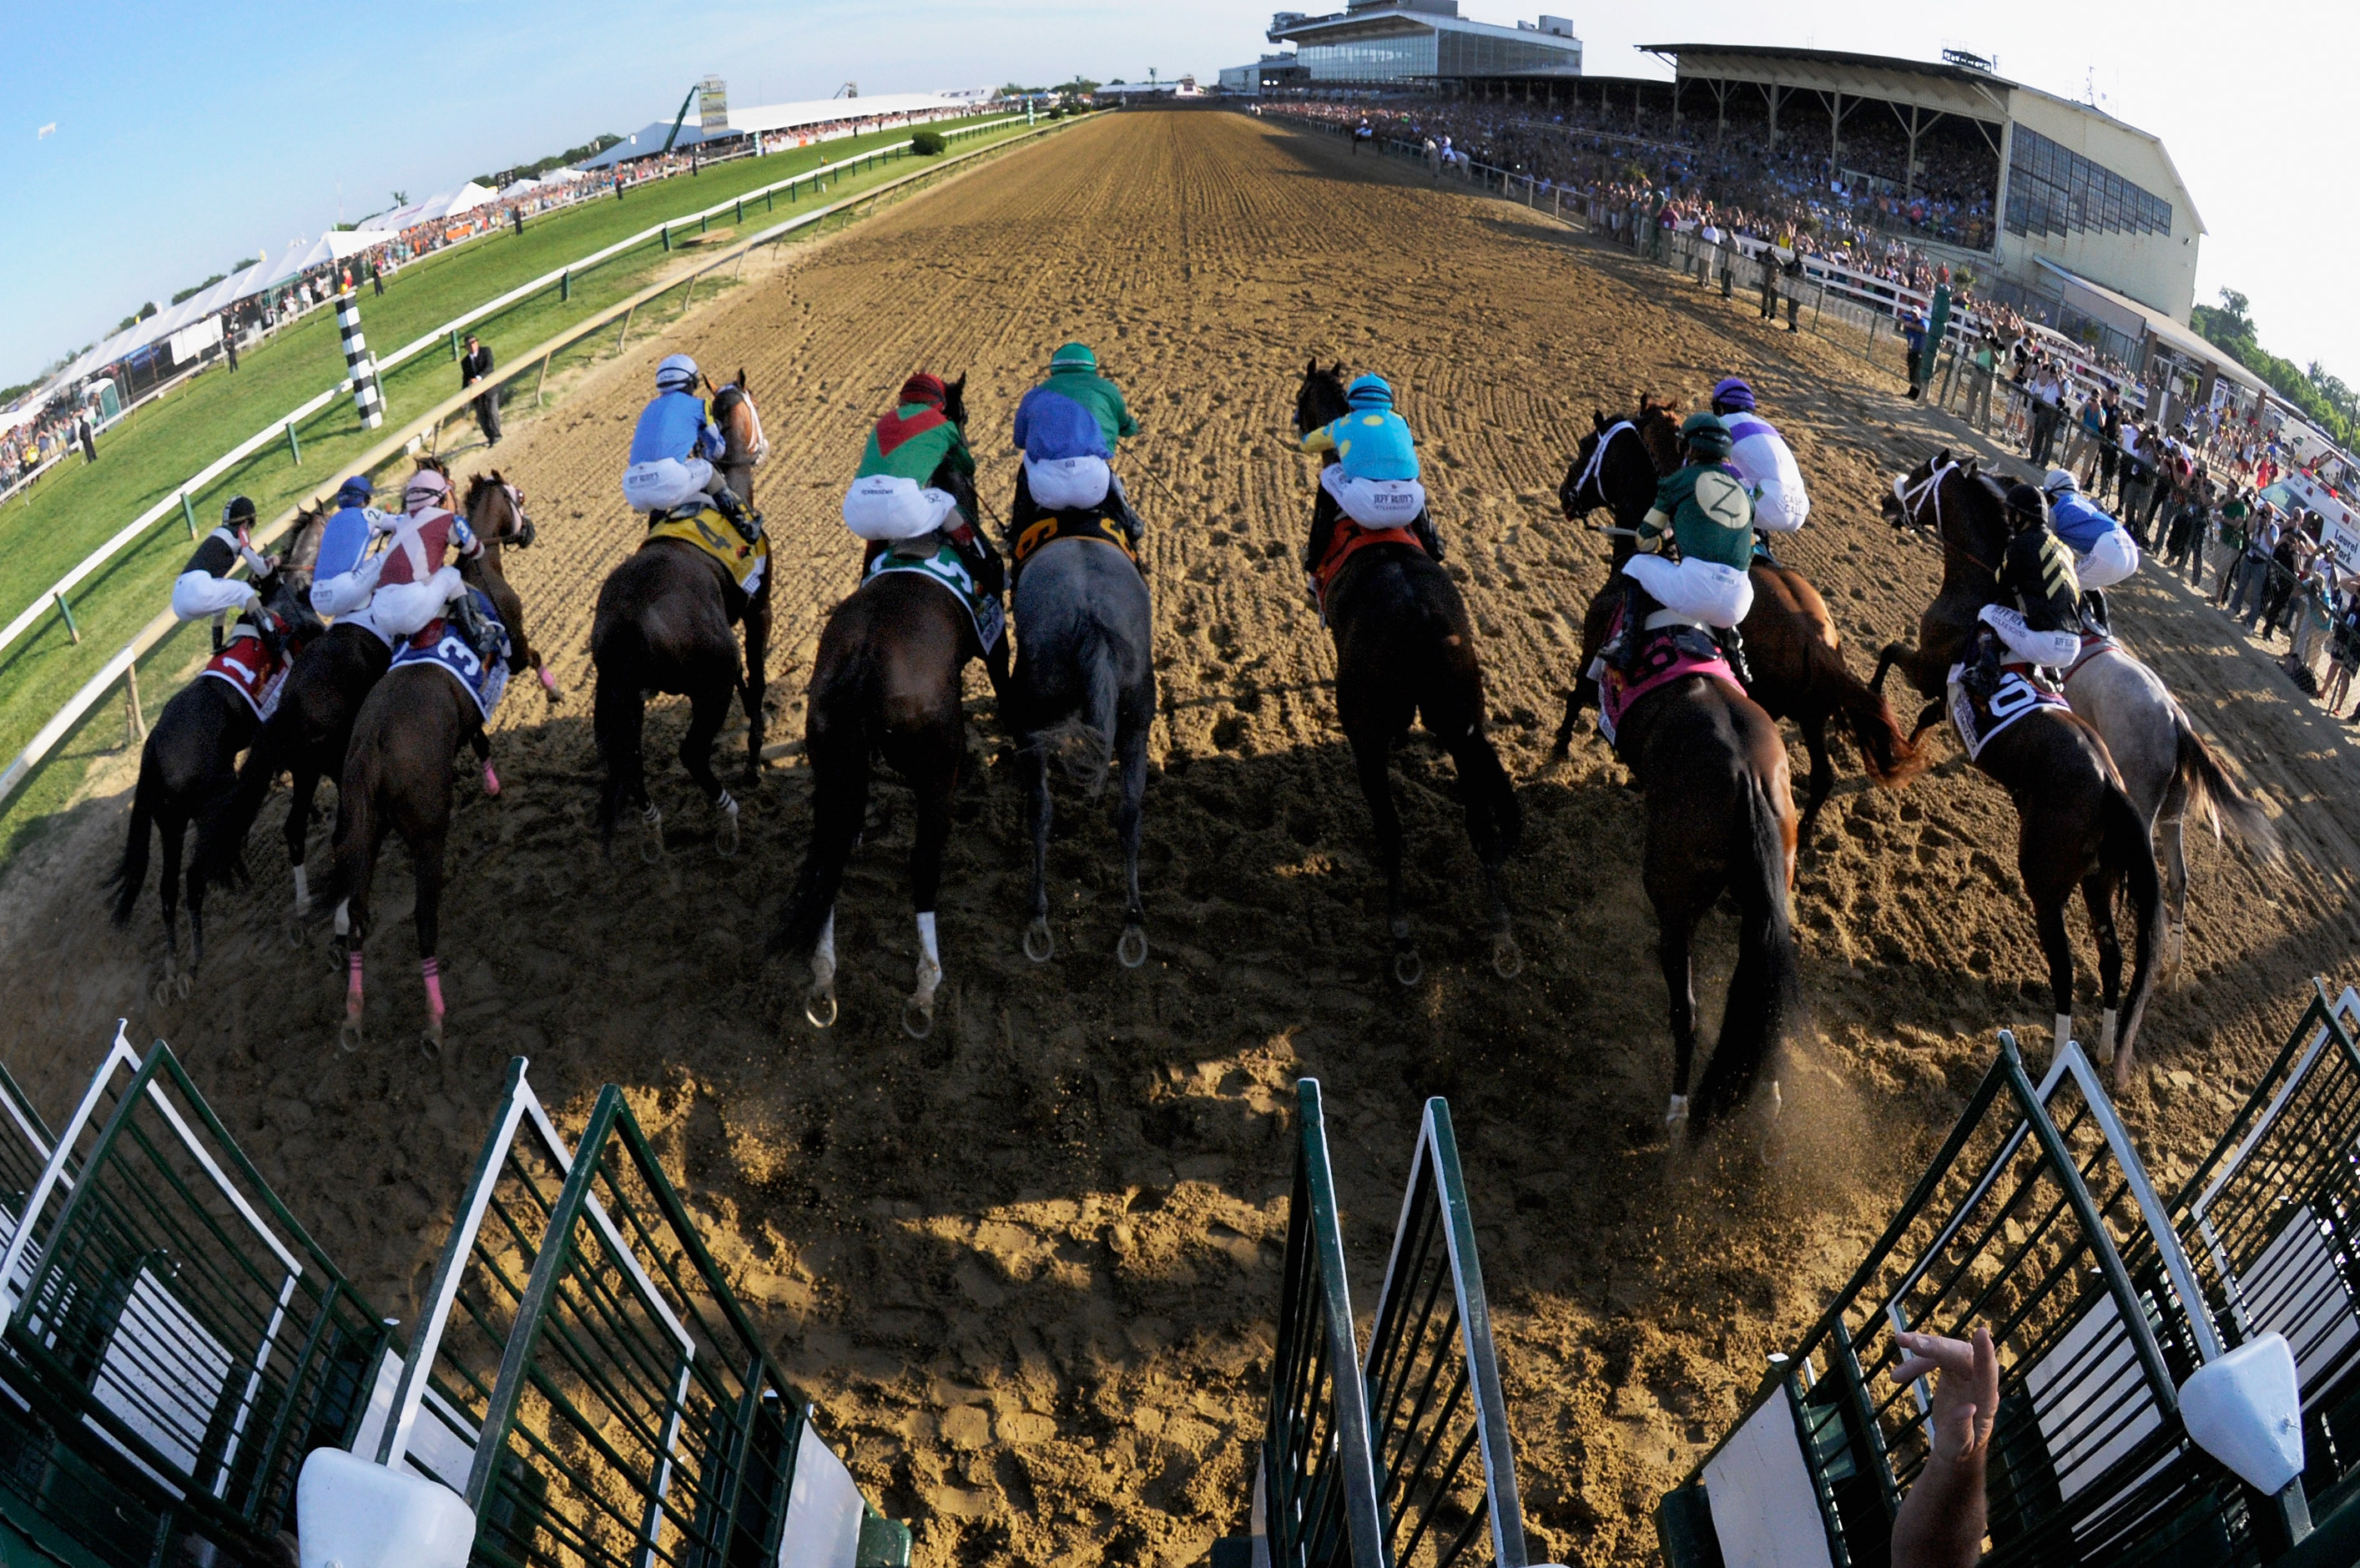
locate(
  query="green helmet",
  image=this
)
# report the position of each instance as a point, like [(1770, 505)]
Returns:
[(1707, 434), (1072, 356)]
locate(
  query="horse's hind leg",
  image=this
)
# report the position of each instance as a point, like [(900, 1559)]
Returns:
[(1491, 827), (2098, 897), (1675, 919), (176, 982), (1370, 757), (1129, 816), (1033, 763), (756, 678), (299, 832), (933, 792), (482, 745), (1823, 781), (1582, 692), (2175, 891), (426, 858), (708, 707), (2049, 922)]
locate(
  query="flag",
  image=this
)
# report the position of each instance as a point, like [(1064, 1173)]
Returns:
[(46, 132)]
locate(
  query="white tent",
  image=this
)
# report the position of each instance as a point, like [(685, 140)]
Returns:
[(516, 190), (563, 176), (394, 222), (465, 199), (823, 111), (334, 246)]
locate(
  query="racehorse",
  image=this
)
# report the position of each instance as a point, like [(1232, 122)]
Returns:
[(1084, 687), (2076, 825), (1798, 659), (310, 732), (744, 444), (1720, 818), (2165, 765), (666, 621), (1405, 649), (187, 766), (886, 682), (397, 771)]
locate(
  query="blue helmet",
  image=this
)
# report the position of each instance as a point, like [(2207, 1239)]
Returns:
[(356, 491), (1369, 392), (1732, 396)]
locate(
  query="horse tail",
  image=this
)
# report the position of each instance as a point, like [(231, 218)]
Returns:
[(618, 719), (1083, 741), (1885, 747), (2204, 785), (2128, 847), (131, 872), (1451, 693), (222, 831), (838, 742), (1765, 990)]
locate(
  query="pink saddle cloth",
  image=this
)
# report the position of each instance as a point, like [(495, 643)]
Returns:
[(1660, 661)]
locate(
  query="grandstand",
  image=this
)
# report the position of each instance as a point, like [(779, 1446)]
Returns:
[(1390, 42)]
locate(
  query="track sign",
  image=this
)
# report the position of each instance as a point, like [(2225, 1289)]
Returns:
[(713, 104)]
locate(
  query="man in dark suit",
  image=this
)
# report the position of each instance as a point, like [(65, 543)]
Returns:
[(473, 366)]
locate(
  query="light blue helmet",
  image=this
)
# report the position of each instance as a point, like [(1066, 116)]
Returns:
[(678, 373), (1369, 392)]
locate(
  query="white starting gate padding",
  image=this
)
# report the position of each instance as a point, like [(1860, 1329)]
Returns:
[(163, 1375), (2080, 1390), (824, 1510), (2294, 1289), (2244, 1410), (1764, 1508), (353, 1514)]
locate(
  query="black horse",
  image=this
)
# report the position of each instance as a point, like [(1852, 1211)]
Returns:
[(1404, 650), (188, 767)]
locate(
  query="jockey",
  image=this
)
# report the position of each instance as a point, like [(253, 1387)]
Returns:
[(1760, 454), (2104, 551), (346, 574), (673, 450), (2039, 607), (1374, 473), (205, 587), (893, 495), (1067, 429), (415, 584), (1706, 511)]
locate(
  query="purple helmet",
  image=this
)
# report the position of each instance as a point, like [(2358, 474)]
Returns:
[(1732, 394)]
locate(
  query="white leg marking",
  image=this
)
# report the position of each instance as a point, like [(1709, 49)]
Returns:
[(302, 891), (930, 958), (2064, 1035), (344, 917)]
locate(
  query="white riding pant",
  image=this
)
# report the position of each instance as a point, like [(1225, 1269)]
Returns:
[(1701, 590), (668, 481), (1059, 483), (2052, 650), (2115, 556), (403, 609), (1374, 503), (347, 591), (885, 507), (196, 594)]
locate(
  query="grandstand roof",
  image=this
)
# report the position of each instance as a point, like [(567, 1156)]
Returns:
[(1832, 57), (820, 111)]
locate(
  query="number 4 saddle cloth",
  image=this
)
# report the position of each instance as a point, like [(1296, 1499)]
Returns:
[(1979, 719)]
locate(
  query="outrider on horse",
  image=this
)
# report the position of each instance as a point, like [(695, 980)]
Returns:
[(1405, 650)]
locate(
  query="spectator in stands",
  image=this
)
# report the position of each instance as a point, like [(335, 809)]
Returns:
[(1942, 1521), (476, 365)]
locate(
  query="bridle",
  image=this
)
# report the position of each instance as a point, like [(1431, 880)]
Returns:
[(1914, 496), (1593, 471)]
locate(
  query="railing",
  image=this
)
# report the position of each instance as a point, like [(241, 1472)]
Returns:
[(1433, 1379), (537, 360), (180, 501), (1315, 1498)]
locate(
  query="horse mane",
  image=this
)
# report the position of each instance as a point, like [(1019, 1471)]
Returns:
[(478, 485), (1658, 431)]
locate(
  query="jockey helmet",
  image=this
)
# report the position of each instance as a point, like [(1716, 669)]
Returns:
[(678, 373), (356, 491), (1705, 433), (2058, 482), (1369, 392), (1732, 396), (1072, 356), (2029, 504), (924, 388), (239, 514), (425, 483)]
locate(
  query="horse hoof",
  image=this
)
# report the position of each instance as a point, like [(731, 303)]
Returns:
[(430, 1041), (163, 992), (819, 1006), (1409, 968), (491, 782), (1675, 1116), (1132, 949), (1040, 943), (348, 1035), (297, 932), (725, 837), (1507, 958), (651, 844), (182, 985), (918, 1018)]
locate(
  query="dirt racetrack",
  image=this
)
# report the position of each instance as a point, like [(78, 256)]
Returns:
[(1028, 1267)]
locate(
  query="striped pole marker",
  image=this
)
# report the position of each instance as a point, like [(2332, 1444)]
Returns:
[(368, 401)]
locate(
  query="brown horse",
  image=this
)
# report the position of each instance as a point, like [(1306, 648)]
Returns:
[(2076, 826), (744, 444), (397, 773), (1720, 818), (1404, 650), (1798, 659), (186, 768), (310, 732), (886, 682)]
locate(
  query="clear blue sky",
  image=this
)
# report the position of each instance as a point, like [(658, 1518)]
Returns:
[(190, 134)]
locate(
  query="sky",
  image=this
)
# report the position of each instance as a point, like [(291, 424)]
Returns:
[(147, 147)]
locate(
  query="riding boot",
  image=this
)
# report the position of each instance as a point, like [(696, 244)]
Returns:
[(1117, 508), (975, 552), (1732, 649), (1624, 646), (747, 524), (1981, 676), (2093, 611), (1427, 535), (472, 625)]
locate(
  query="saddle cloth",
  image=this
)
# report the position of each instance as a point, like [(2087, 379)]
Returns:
[(1978, 722), (442, 646), (1071, 523), (944, 566), (1666, 653), (1349, 539), (711, 532), (250, 670)]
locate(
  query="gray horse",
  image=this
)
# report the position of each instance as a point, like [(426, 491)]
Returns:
[(1085, 688)]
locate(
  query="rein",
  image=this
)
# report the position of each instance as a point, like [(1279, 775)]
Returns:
[(1912, 497), (1592, 471)]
